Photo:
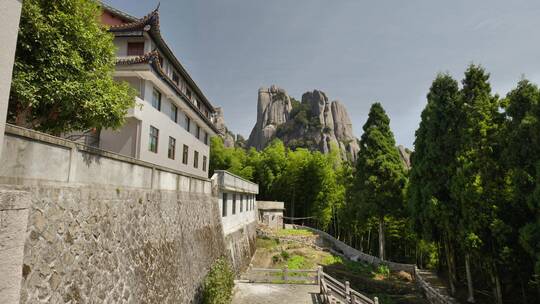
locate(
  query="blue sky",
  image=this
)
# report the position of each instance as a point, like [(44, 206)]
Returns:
[(356, 51)]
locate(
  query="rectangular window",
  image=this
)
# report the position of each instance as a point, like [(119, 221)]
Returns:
[(224, 205), (206, 138), (204, 163), (135, 48), (154, 138), (185, 154), (175, 78), (188, 93), (198, 132), (206, 113), (234, 203), (172, 147), (156, 99), (174, 113), (196, 159), (188, 123), (241, 203)]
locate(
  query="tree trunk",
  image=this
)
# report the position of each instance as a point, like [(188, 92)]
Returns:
[(362, 243), (369, 241), (470, 287), (450, 264), (497, 293), (381, 238)]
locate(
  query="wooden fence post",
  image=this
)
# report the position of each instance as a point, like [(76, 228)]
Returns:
[(348, 291), (286, 273), (319, 274)]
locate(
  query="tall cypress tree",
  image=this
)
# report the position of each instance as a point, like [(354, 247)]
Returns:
[(430, 205), (477, 180), (380, 175)]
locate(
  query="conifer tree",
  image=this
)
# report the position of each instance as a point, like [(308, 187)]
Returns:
[(430, 206), (477, 180), (380, 174)]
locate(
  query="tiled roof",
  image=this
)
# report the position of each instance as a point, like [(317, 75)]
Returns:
[(152, 58), (150, 24)]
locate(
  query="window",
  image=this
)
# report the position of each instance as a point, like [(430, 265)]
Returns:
[(175, 78), (241, 203), (188, 123), (154, 137), (188, 93), (135, 48), (198, 133), (206, 113), (172, 147), (204, 163), (234, 203), (185, 154), (206, 138), (224, 205), (174, 113), (156, 99), (196, 159)]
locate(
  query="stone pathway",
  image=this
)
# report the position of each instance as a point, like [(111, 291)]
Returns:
[(254, 293)]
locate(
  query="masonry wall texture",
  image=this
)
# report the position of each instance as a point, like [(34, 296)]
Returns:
[(241, 246), (95, 245)]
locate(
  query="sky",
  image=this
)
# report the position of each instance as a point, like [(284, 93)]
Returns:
[(356, 51)]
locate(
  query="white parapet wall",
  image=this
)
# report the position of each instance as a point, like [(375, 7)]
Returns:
[(238, 209), (31, 157)]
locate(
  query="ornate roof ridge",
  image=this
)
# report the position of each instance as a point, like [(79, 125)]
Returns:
[(146, 58), (151, 19)]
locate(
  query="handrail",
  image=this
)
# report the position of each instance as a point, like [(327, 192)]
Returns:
[(332, 288)]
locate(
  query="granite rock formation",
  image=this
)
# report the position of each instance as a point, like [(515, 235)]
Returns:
[(226, 134), (314, 123)]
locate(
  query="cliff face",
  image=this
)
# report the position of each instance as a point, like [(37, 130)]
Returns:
[(228, 136), (314, 123)]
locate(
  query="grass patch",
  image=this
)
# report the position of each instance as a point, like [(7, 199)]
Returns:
[(294, 232), (267, 243)]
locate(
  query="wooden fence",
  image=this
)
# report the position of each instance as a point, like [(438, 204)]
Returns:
[(331, 290)]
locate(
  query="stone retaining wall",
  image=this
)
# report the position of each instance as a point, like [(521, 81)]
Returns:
[(241, 246)]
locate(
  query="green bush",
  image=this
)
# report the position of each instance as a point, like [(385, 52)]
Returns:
[(218, 284), (285, 255), (383, 270)]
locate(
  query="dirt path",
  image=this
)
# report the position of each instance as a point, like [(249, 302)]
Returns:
[(252, 293)]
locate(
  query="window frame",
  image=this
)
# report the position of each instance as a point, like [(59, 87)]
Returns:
[(224, 204), (175, 112), (204, 163), (135, 51), (188, 123), (159, 99), (185, 154), (234, 203), (173, 140), (152, 137), (195, 159)]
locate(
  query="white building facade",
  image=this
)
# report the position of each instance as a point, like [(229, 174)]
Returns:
[(172, 121)]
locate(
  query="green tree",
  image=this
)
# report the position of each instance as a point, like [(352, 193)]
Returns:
[(478, 177), (380, 175), (522, 211), (432, 210), (62, 77)]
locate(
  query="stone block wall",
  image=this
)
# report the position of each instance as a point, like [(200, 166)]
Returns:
[(241, 246), (98, 245)]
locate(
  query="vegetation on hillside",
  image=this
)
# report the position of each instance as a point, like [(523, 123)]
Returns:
[(468, 208), (62, 77)]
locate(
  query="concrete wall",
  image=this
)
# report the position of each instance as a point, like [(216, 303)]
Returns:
[(241, 245), (14, 208), (9, 23), (35, 158), (246, 210)]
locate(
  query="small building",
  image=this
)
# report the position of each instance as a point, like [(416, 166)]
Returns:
[(271, 213), (172, 120), (238, 209)]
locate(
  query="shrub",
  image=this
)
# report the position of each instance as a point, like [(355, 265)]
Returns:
[(218, 284), (383, 270), (285, 255)]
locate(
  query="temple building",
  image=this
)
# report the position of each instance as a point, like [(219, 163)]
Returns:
[(172, 121)]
